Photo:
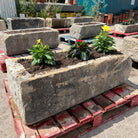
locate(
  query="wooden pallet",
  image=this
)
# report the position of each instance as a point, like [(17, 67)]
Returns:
[(121, 35), (70, 40), (3, 57), (83, 117), (62, 30)]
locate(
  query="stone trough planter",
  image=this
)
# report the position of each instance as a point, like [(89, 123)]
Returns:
[(2, 25), (18, 23), (126, 28), (130, 47), (85, 30), (80, 19), (58, 23), (42, 95), (18, 41)]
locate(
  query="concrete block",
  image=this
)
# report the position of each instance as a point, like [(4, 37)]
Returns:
[(85, 30), (2, 25), (45, 94), (18, 41), (130, 47), (126, 28), (17, 23), (80, 19), (58, 23)]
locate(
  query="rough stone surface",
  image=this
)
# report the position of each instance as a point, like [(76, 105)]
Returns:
[(58, 23), (18, 23), (2, 25), (80, 19), (18, 41), (126, 28), (130, 47), (85, 30), (45, 94)]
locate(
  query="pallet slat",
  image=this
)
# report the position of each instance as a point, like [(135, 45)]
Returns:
[(126, 91), (114, 97), (104, 102), (95, 110), (70, 40), (115, 34), (65, 120), (49, 129), (81, 114), (30, 132)]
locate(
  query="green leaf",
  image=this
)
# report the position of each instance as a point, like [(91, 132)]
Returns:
[(48, 57), (83, 56)]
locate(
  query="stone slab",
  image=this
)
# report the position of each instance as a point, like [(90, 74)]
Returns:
[(2, 25), (130, 47), (80, 19), (45, 94), (126, 28), (85, 30), (31, 22), (16, 42), (58, 23)]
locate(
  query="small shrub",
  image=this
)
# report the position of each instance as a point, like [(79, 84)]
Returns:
[(80, 50), (103, 42), (41, 54), (129, 21)]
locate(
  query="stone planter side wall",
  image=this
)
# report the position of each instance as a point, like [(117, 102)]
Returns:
[(85, 31), (17, 23), (44, 95), (58, 23), (17, 42), (80, 19), (2, 25), (130, 47), (126, 28)]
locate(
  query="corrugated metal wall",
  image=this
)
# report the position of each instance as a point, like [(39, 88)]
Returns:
[(7, 8), (120, 6), (114, 6)]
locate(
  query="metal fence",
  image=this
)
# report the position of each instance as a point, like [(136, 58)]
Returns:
[(7, 8)]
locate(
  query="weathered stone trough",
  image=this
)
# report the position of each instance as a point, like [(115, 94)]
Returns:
[(80, 19), (2, 25), (130, 47), (126, 28), (42, 95), (18, 41), (85, 30), (18, 23), (58, 23)]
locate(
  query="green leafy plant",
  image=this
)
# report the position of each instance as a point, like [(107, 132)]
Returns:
[(80, 50), (28, 8), (103, 42), (129, 21), (41, 54), (55, 9)]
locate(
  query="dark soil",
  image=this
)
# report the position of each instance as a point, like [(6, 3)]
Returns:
[(61, 61)]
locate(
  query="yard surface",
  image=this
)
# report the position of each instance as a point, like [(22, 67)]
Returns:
[(124, 126)]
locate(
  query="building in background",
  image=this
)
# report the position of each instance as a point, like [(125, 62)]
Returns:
[(7, 8), (113, 6)]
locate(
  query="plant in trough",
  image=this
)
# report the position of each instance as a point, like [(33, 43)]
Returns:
[(103, 42), (41, 54), (80, 50), (129, 21)]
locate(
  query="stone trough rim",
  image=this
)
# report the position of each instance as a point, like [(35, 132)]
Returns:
[(52, 72)]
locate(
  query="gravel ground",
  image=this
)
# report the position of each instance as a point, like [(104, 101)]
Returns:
[(124, 126)]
